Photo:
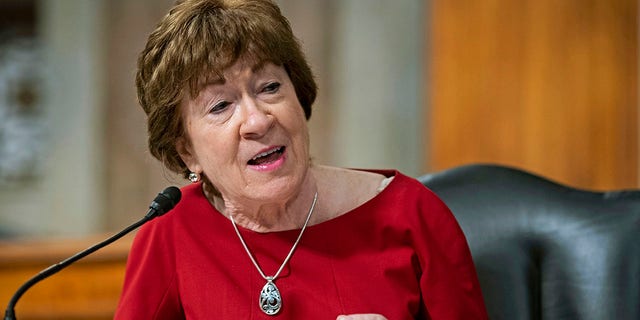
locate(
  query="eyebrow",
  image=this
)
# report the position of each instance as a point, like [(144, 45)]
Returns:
[(212, 81)]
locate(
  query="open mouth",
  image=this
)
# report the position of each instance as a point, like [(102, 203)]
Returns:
[(268, 156)]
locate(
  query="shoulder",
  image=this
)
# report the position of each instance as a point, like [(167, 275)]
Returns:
[(343, 190), (356, 183), (352, 178), (192, 200), (409, 200), (423, 209), (192, 203)]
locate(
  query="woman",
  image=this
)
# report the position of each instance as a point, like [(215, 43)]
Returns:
[(263, 232)]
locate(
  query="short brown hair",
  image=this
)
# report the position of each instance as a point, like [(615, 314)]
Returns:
[(199, 39)]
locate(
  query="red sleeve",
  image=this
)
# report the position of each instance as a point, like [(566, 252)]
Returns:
[(150, 288), (449, 283)]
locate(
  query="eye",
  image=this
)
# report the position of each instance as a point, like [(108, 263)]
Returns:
[(271, 87), (219, 107)]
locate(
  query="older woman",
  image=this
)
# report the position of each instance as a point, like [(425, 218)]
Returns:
[(263, 232)]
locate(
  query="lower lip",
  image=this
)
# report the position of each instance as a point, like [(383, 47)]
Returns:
[(271, 166)]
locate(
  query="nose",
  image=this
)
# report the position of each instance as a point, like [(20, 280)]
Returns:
[(257, 119)]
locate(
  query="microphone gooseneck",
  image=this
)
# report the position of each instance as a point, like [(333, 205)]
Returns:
[(163, 203)]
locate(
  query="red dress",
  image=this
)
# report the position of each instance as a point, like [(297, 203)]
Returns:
[(401, 254)]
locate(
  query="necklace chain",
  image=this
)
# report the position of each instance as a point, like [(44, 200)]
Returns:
[(293, 248)]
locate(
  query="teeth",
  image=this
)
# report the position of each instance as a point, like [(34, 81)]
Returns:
[(266, 153)]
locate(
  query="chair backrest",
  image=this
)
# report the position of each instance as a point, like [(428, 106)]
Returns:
[(543, 250)]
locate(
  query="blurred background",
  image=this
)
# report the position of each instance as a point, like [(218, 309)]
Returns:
[(548, 86)]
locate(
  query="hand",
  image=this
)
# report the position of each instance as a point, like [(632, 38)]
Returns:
[(368, 316)]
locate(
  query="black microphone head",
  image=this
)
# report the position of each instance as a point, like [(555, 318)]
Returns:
[(164, 201), (172, 193)]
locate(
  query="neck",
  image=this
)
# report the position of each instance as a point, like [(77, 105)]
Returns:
[(277, 215)]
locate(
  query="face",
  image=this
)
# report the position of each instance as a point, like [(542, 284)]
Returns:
[(247, 133)]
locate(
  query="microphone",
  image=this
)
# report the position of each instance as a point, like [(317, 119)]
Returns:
[(163, 203)]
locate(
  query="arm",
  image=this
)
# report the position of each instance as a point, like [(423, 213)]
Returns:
[(448, 282)]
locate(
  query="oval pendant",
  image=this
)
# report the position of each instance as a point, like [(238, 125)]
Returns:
[(270, 299)]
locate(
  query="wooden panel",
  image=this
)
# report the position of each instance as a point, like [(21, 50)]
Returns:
[(549, 86), (88, 289)]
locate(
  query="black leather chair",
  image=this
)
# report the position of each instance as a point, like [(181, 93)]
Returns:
[(543, 250)]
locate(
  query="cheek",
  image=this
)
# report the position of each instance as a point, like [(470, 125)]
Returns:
[(214, 150), (294, 118), (300, 133), (303, 126)]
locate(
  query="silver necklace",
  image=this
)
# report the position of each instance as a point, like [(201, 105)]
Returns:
[(270, 299)]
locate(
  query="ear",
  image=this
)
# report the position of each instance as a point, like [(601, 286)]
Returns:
[(186, 153)]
